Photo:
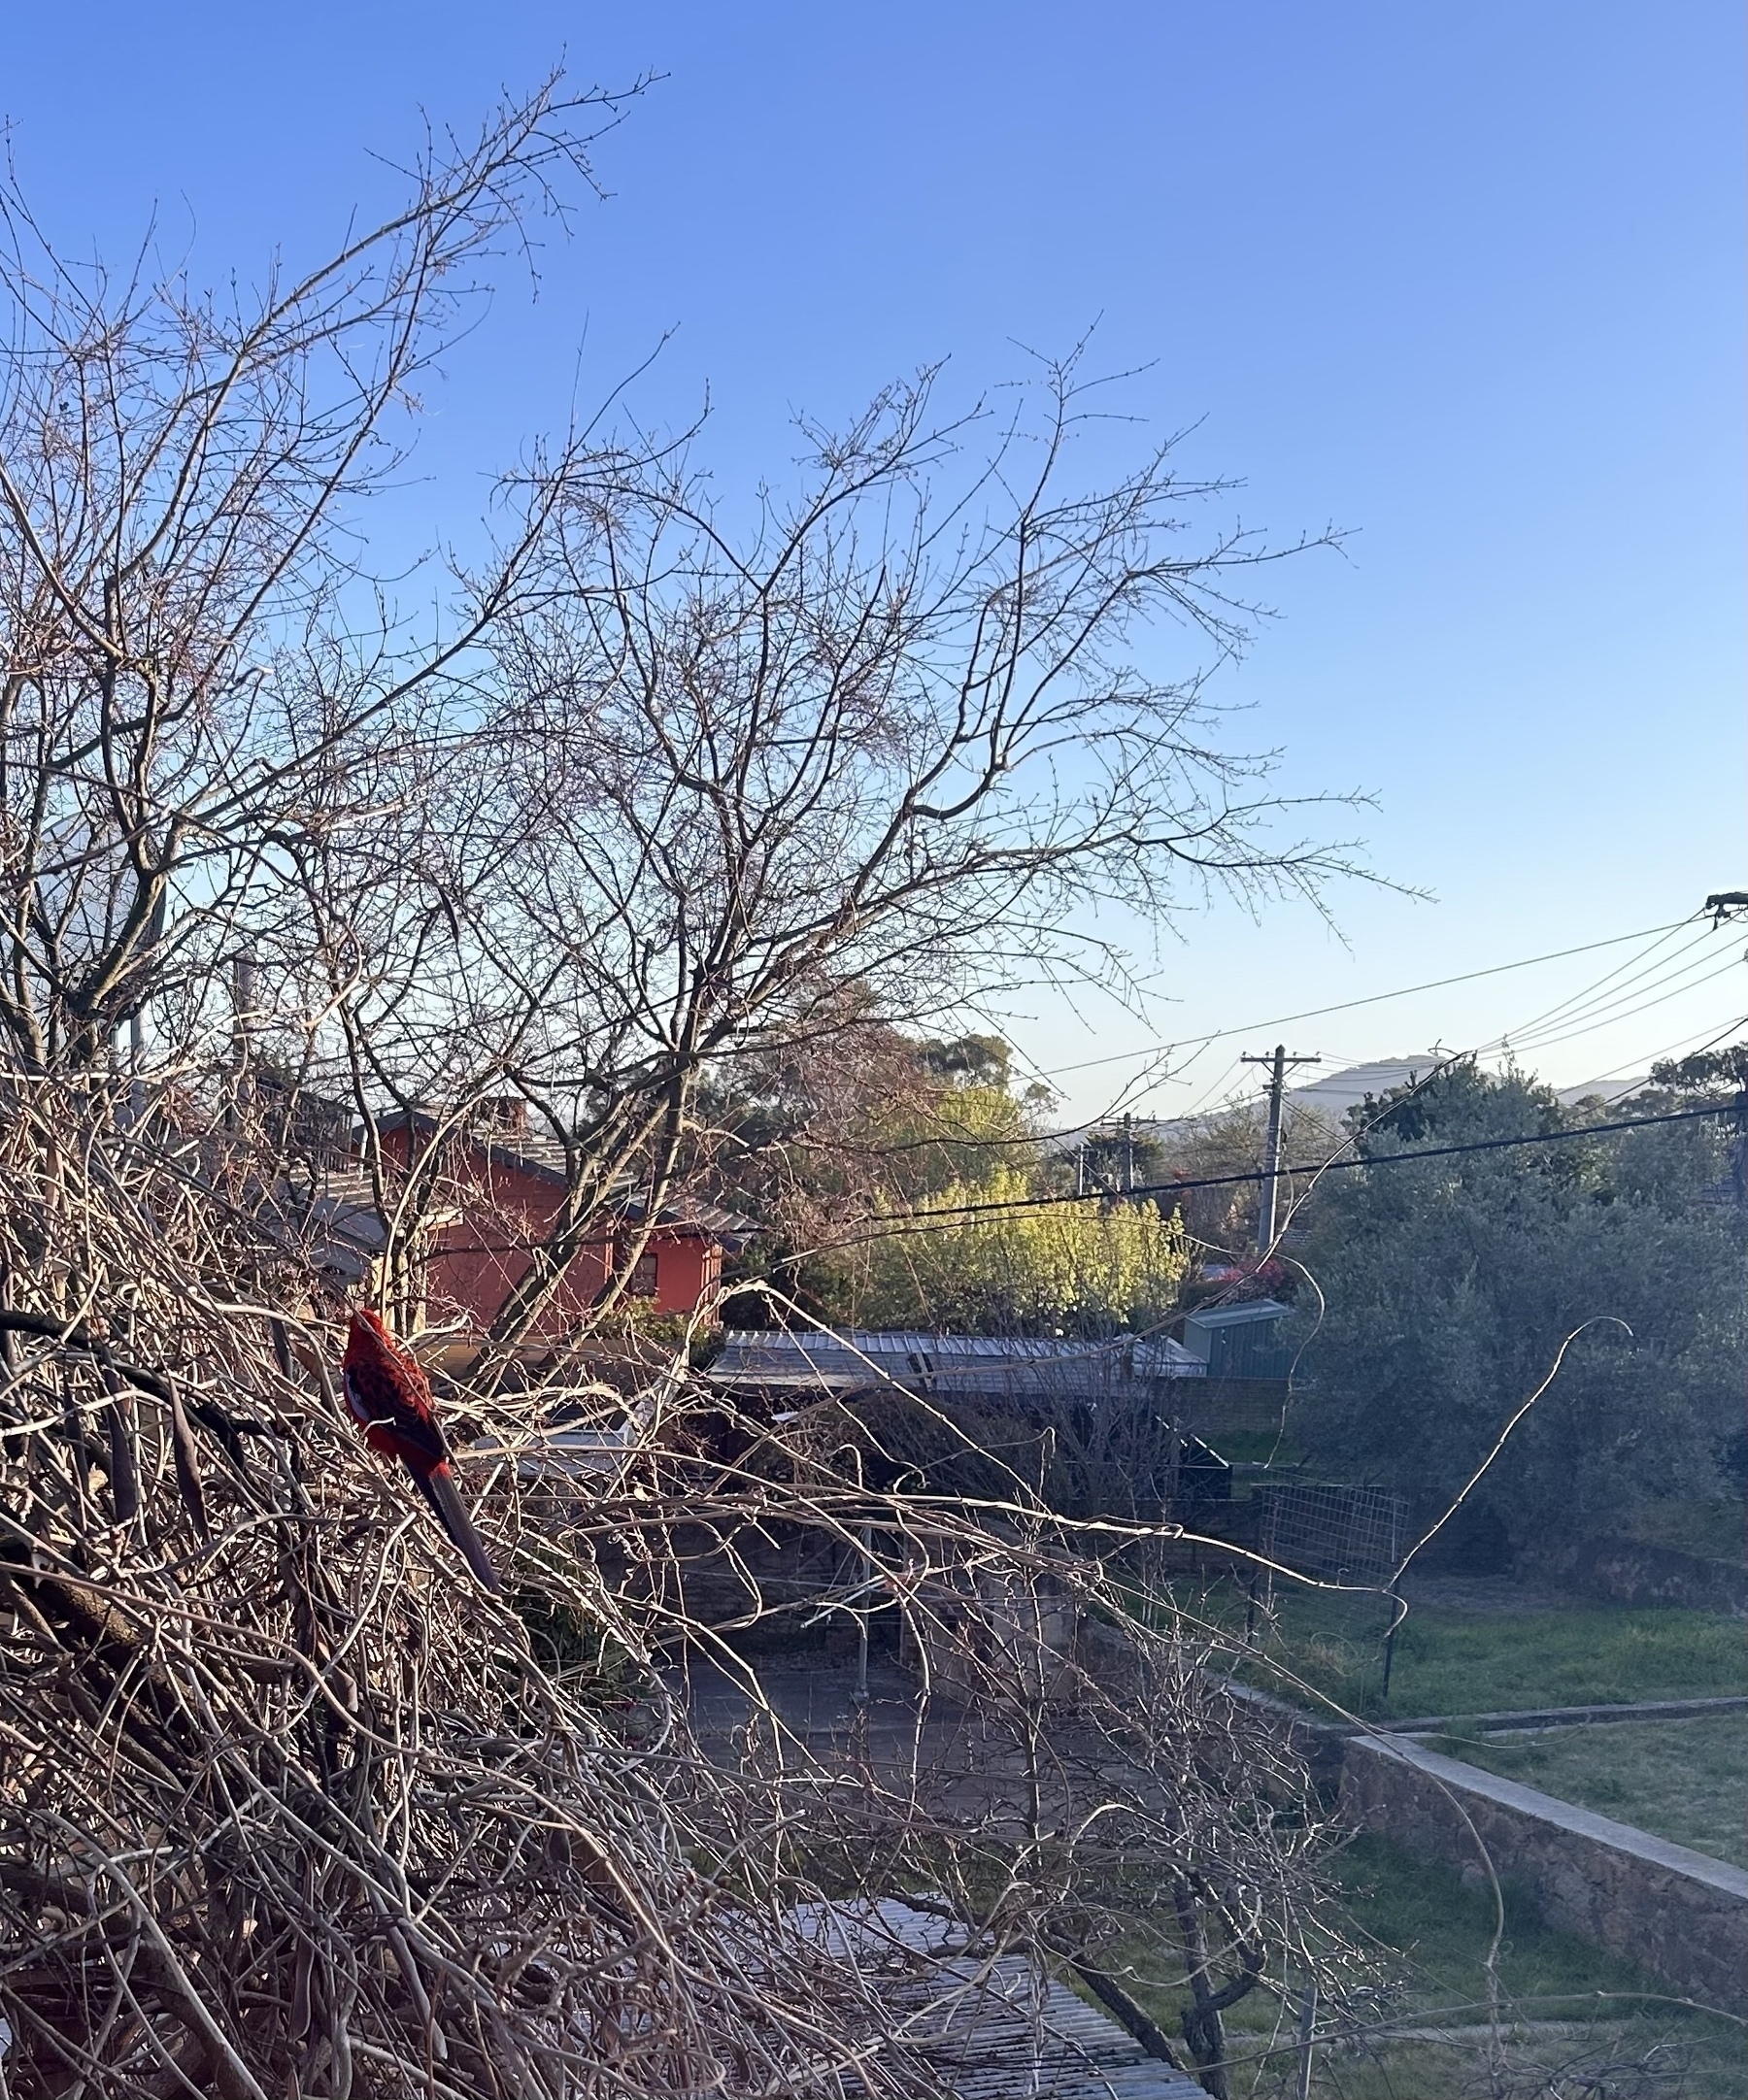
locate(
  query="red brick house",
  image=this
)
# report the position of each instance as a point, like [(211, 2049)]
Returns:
[(501, 1190)]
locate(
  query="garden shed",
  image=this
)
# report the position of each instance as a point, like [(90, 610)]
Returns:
[(1240, 1340)]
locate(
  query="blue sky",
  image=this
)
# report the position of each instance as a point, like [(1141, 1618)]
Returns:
[(1465, 281)]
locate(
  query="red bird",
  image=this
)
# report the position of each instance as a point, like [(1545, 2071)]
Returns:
[(389, 1397)]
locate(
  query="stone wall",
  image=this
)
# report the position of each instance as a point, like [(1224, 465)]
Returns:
[(1672, 1911)]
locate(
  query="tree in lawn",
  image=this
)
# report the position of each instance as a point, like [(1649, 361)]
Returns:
[(1450, 1285), (1002, 1261), (812, 1138)]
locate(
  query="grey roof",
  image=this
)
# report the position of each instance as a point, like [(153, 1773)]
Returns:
[(335, 1226), (857, 1358), (1241, 1315)]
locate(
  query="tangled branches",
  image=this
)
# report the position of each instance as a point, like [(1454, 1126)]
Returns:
[(282, 1799), (287, 1804)]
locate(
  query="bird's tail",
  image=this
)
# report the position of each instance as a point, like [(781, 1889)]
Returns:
[(438, 1487)]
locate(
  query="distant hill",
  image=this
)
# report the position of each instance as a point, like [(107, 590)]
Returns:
[(1330, 1096)]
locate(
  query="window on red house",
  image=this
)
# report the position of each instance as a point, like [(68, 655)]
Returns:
[(643, 1275)]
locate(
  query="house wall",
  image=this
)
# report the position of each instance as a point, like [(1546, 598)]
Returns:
[(505, 1211), (689, 1269)]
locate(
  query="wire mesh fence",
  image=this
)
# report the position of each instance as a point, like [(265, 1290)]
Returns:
[(1331, 1530)]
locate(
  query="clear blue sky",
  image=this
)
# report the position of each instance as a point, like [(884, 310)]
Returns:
[(1466, 281)]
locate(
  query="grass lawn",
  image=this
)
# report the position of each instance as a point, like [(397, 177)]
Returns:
[(1685, 1780), (1569, 2001), (1480, 1656), (1575, 2019)]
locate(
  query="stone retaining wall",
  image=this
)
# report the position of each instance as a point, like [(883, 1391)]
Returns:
[(1672, 1911)]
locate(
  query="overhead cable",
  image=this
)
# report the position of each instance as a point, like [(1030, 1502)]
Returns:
[(956, 1213), (1376, 998)]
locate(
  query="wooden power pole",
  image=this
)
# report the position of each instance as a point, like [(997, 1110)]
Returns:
[(1271, 1155)]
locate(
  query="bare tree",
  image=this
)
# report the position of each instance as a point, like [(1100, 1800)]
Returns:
[(178, 565), (674, 773), (892, 732), (284, 1806)]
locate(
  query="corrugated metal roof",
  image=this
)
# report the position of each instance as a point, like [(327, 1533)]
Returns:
[(918, 1341), (989, 2029), (946, 1363)]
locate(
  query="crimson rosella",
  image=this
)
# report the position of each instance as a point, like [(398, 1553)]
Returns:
[(389, 1397)]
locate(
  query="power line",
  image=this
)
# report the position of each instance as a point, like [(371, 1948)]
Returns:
[(1158, 1053), (1681, 1042), (1670, 979), (1633, 968), (1526, 1037), (1614, 1017), (901, 1221), (1376, 998), (1580, 1014), (1583, 1012)]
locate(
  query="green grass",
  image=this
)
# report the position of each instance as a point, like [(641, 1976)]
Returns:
[(1256, 1446), (1438, 1928), (1562, 2002), (1442, 1924), (1451, 1660), (1684, 1780)]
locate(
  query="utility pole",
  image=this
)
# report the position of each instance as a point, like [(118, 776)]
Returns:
[(1271, 1157)]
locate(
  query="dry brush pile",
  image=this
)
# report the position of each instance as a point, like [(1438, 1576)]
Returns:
[(287, 1804)]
